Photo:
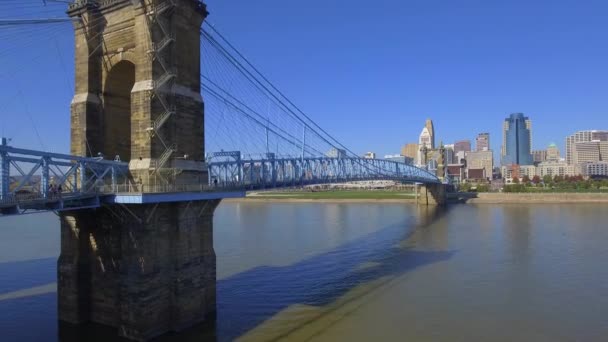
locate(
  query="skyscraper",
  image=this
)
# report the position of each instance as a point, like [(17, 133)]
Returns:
[(410, 150), (462, 146), (426, 140), (517, 140), (482, 143), (429, 126)]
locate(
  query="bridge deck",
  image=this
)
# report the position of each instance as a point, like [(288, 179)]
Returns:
[(85, 201)]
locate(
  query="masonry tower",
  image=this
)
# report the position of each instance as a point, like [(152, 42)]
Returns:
[(149, 267)]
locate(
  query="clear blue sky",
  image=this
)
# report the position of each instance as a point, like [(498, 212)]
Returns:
[(371, 72)]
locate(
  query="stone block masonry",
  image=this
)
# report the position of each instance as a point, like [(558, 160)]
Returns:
[(143, 269), (432, 194)]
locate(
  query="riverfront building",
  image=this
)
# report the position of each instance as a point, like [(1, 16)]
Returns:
[(480, 160), (589, 152), (595, 169), (582, 136), (517, 140)]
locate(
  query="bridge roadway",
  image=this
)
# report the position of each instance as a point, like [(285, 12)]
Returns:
[(93, 182)]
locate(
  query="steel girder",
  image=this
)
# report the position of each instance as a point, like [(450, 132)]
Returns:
[(298, 171), (36, 172)]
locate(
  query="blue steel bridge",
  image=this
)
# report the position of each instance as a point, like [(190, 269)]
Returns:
[(255, 136)]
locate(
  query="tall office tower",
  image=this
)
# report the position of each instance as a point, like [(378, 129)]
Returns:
[(424, 142), (517, 140), (482, 143), (462, 146), (429, 126), (410, 150), (505, 128), (449, 153), (582, 136)]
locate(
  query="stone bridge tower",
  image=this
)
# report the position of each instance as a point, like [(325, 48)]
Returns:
[(138, 87), (146, 268)]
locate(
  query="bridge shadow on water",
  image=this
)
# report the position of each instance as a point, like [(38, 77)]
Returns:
[(248, 299)]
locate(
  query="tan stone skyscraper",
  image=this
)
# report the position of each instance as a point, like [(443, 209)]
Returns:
[(429, 126), (410, 150)]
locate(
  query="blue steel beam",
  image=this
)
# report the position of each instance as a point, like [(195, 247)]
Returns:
[(272, 173)]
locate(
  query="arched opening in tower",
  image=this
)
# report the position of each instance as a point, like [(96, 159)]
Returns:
[(117, 111)]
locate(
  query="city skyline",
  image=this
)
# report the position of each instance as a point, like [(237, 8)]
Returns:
[(398, 87)]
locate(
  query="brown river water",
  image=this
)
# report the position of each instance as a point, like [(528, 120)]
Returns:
[(361, 272)]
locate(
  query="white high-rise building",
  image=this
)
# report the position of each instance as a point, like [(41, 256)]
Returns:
[(425, 140)]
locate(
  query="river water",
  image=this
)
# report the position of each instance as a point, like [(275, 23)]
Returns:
[(361, 272)]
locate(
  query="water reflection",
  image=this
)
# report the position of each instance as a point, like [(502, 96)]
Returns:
[(520, 272)]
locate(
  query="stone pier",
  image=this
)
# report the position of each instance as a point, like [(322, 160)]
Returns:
[(143, 269), (432, 194), (149, 268)]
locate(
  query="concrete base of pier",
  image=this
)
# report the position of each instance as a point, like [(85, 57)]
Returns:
[(144, 269), (432, 194)]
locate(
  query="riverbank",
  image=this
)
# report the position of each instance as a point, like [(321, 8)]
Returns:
[(399, 197), (337, 195), (520, 198)]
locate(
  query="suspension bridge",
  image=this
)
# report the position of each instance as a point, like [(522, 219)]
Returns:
[(167, 118), (272, 142)]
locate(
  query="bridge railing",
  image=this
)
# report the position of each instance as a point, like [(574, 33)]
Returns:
[(272, 173), (29, 175)]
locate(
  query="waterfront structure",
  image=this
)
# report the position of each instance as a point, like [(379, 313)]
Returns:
[(482, 143), (539, 156), (462, 146), (335, 152), (143, 267), (480, 160), (595, 169), (589, 152), (545, 168), (557, 169), (552, 153), (399, 158), (369, 155), (477, 175), (456, 173), (582, 136), (509, 172), (410, 150), (517, 140)]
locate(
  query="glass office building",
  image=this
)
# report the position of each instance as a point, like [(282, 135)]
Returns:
[(517, 140)]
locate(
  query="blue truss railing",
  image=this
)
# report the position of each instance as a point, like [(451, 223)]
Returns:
[(228, 169), (35, 180)]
